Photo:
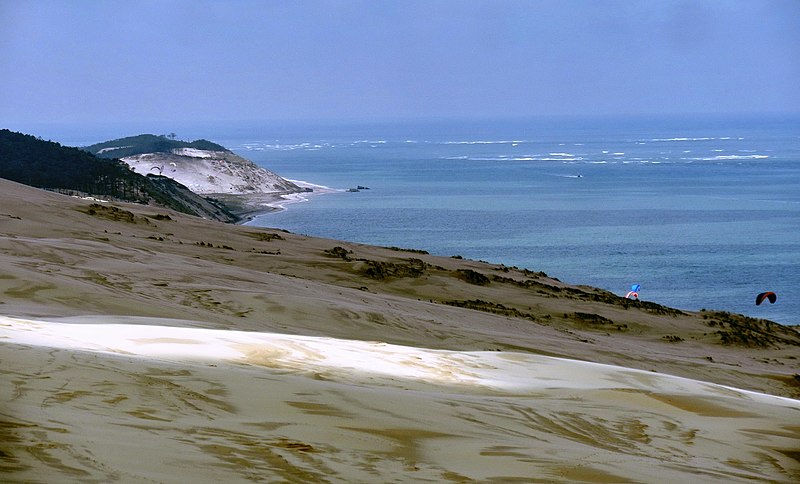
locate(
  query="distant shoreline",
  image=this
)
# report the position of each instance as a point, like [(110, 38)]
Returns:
[(247, 207)]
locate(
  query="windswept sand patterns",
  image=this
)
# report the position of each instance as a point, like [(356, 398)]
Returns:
[(147, 402), (144, 400)]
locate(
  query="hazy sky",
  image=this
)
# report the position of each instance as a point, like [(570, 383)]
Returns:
[(96, 61)]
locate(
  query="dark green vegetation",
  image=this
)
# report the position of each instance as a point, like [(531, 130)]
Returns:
[(385, 270), (45, 164), (736, 329), (339, 252), (490, 307), (146, 143), (473, 277), (115, 214)]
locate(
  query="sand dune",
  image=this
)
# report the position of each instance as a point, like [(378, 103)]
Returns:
[(141, 345), (359, 362), (167, 403)]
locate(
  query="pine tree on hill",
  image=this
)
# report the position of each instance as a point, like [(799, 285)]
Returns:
[(147, 143)]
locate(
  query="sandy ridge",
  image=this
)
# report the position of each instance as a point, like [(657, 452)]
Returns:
[(318, 360)]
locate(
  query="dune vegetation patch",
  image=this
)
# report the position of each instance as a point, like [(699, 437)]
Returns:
[(413, 251), (590, 318), (739, 330), (651, 307), (594, 321), (385, 270), (491, 307), (473, 277), (115, 214), (339, 252), (212, 246), (265, 236)]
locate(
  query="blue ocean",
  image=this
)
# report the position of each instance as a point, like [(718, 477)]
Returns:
[(703, 213)]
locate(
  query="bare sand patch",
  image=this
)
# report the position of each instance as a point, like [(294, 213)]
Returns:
[(105, 403)]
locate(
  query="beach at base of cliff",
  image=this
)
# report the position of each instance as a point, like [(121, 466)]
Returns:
[(247, 206)]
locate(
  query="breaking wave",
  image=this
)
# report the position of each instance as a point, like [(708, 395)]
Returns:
[(728, 157), (701, 138)]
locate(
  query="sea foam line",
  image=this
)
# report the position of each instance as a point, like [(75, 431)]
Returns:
[(729, 157)]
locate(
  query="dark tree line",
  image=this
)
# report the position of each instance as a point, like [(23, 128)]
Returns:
[(147, 143), (45, 164), (49, 165)]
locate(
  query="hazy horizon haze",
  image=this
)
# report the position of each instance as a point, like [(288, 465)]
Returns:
[(204, 61)]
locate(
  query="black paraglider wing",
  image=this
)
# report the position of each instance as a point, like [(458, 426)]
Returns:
[(766, 295)]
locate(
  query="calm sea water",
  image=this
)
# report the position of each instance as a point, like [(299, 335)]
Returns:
[(703, 213)]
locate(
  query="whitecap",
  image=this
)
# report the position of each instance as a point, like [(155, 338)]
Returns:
[(741, 157), (504, 158), (658, 140), (728, 157), (369, 142), (284, 147), (484, 142)]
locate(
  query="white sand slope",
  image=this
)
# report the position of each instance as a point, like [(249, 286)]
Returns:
[(362, 362), (208, 172), (85, 400)]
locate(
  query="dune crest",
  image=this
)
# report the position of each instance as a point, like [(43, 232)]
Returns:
[(222, 404), (363, 362)]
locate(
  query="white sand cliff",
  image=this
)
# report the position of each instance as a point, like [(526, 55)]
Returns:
[(206, 172)]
